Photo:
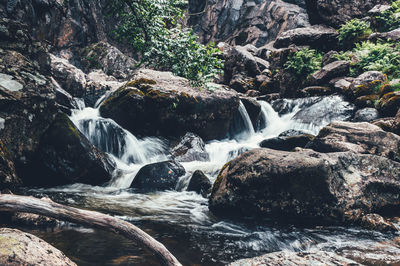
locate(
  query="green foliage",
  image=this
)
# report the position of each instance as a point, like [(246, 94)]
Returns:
[(390, 19), (353, 31), (303, 63), (384, 57), (153, 28)]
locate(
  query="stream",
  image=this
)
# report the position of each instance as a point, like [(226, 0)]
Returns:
[(181, 219)]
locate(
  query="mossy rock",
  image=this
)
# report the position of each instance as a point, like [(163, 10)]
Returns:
[(389, 104), (367, 101)]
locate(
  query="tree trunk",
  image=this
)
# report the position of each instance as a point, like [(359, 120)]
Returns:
[(13, 203)]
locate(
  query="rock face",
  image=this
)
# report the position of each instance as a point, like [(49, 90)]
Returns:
[(335, 13), (199, 183), (19, 248), (191, 148), (332, 70), (65, 156), (357, 137), (316, 36), (305, 185), (284, 258), (243, 22), (158, 103), (158, 176), (8, 175)]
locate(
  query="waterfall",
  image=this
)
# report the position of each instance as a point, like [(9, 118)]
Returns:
[(241, 127)]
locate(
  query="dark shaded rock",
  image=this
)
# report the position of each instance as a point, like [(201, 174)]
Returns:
[(333, 70), (287, 143), (362, 138), (283, 258), (338, 12), (158, 176), (377, 222), (305, 185), (366, 115), (291, 133), (366, 101), (244, 22), (190, 148), (366, 84), (65, 156), (389, 104), (317, 36), (329, 57), (108, 58), (8, 175), (253, 108), (158, 103), (32, 220), (390, 124), (19, 248), (199, 183)]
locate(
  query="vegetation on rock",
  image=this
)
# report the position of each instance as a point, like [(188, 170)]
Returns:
[(304, 62)]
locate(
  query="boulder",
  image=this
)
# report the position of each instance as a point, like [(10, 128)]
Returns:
[(338, 12), (190, 148), (379, 9), (158, 176), (65, 156), (389, 104), (19, 248), (288, 143), (244, 22), (312, 91), (199, 183), (366, 84), (71, 78), (158, 103), (333, 70), (366, 115), (317, 36), (305, 185), (362, 138), (329, 57), (108, 58), (284, 258), (98, 83)]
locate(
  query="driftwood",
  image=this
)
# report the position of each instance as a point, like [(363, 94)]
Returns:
[(13, 203)]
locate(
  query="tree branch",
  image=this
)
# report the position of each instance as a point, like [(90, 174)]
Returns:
[(13, 203)]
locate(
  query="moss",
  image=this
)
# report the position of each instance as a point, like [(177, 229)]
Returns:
[(8, 246), (141, 83), (218, 181)]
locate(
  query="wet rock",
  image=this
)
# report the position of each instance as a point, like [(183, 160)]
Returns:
[(199, 183), (287, 143), (291, 133), (253, 108), (30, 219), (366, 115), (330, 71), (366, 84), (65, 156), (7, 83), (284, 258), (191, 148), (244, 22), (338, 12), (158, 176), (377, 222), (158, 103), (19, 248), (389, 104), (305, 185), (362, 138), (98, 83), (316, 36), (8, 175), (108, 58)]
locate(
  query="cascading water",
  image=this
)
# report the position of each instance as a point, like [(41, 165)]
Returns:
[(182, 218)]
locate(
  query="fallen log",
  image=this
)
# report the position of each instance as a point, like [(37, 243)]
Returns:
[(13, 203)]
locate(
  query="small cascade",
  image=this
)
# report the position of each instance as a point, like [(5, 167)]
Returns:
[(241, 127)]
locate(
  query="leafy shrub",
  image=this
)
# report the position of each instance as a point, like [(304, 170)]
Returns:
[(303, 63), (384, 57), (390, 19), (353, 31), (154, 30)]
